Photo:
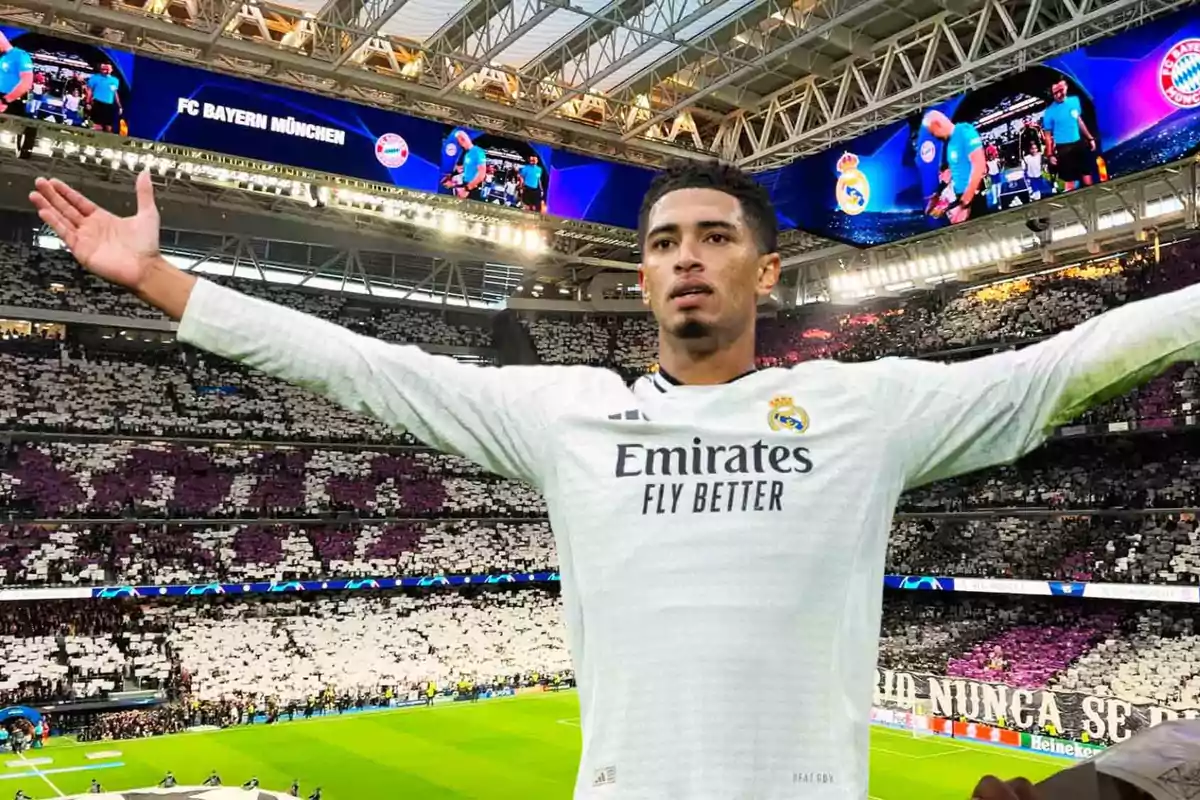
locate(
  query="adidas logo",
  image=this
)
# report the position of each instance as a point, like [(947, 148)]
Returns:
[(605, 777)]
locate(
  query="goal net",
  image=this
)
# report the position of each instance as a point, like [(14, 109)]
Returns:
[(922, 720)]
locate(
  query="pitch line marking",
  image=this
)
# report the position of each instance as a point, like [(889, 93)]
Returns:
[(915, 756), (42, 775), (84, 768), (970, 746)]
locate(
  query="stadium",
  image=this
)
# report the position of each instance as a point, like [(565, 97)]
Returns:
[(216, 584)]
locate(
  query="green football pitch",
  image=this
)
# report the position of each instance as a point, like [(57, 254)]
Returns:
[(523, 747)]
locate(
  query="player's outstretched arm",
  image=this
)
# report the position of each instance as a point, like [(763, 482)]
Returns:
[(493, 416), (121, 250), (962, 417)]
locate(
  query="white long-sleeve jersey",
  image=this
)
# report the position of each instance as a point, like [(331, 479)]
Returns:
[(721, 547)]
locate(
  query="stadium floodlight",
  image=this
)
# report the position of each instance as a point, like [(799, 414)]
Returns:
[(480, 225)]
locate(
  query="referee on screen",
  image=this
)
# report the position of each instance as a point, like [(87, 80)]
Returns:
[(16, 78), (104, 99), (1070, 145), (533, 195)]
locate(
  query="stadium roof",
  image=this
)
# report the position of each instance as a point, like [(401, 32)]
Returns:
[(753, 81)]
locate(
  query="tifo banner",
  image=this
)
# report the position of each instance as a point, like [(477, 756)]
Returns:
[(1070, 714), (81, 84), (1113, 108), (928, 583)]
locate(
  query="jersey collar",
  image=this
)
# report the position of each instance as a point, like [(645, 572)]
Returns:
[(663, 381)]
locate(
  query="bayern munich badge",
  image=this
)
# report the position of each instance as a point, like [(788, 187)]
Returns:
[(1179, 74), (391, 150)]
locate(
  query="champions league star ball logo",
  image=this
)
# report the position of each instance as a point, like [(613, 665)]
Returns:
[(853, 190), (1179, 74), (928, 151), (391, 150)]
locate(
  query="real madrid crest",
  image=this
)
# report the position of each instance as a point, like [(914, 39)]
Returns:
[(785, 415), (853, 190)]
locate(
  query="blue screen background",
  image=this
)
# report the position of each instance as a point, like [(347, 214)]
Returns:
[(155, 116)]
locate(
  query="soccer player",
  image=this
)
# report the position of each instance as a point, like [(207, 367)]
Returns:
[(712, 521), (168, 781), (104, 100), (251, 784), (16, 78), (968, 166), (294, 791), (1069, 143), (95, 788), (316, 794), (213, 779)]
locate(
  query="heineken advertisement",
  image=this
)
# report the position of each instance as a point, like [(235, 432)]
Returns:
[(1058, 747), (1070, 715)]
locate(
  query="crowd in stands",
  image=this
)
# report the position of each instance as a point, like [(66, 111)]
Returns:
[(1157, 662), (296, 648), (228, 661), (165, 465), (53, 387), (1006, 312), (1158, 549), (122, 479), (306, 513), (33, 277), (63, 386), (1141, 653), (144, 554)]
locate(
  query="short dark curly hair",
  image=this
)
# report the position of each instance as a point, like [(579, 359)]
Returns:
[(755, 202)]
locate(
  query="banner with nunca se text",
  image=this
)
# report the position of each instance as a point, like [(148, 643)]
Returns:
[(1067, 714)]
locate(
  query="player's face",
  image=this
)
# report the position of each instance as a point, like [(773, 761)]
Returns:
[(1059, 91), (105, 69), (701, 272)]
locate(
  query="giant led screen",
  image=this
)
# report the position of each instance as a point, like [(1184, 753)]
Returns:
[(85, 85), (1116, 107)]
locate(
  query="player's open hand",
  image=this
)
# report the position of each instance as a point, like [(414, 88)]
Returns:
[(118, 249), (991, 788)]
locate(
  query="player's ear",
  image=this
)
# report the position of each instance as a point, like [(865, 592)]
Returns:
[(769, 266), (642, 285)]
